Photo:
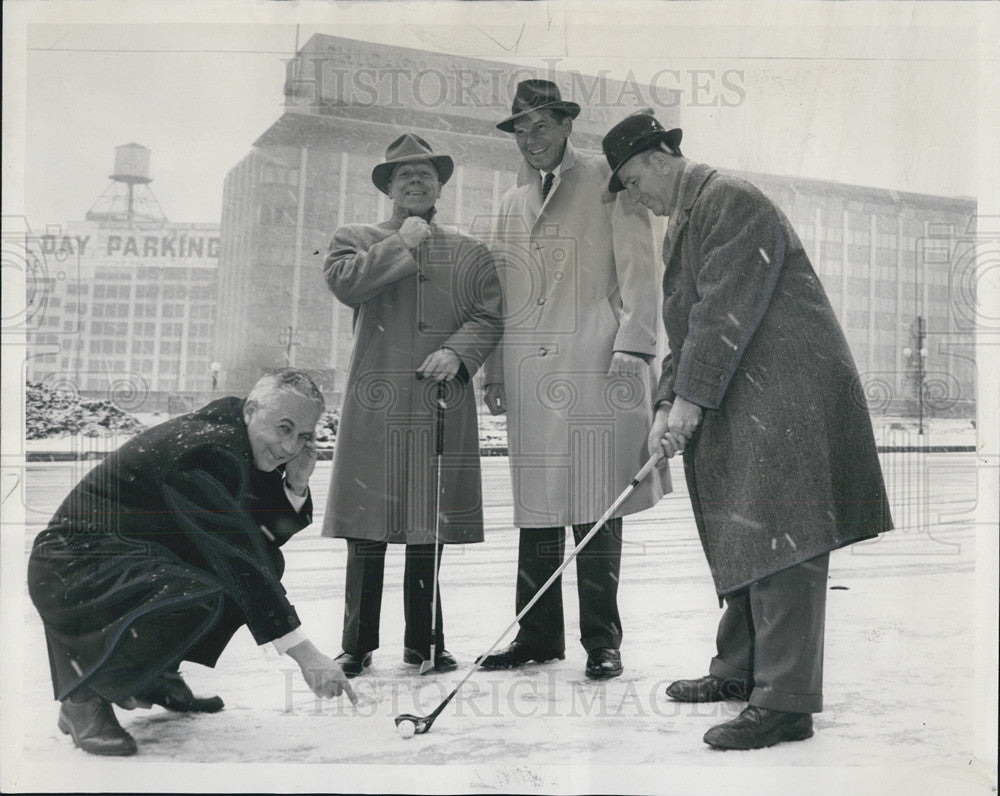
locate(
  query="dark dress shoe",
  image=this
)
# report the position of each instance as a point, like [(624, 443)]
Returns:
[(603, 664), (170, 691), (517, 654), (756, 728), (353, 665), (94, 727), (708, 689), (444, 661)]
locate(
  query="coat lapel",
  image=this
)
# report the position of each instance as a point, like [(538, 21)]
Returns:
[(691, 185), (534, 206), (527, 180)]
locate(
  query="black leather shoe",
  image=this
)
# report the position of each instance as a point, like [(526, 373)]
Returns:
[(708, 689), (444, 661), (603, 664), (94, 727), (170, 691), (517, 654), (352, 665), (756, 728)]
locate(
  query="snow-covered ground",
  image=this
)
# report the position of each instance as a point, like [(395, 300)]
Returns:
[(904, 696), (889, 432)]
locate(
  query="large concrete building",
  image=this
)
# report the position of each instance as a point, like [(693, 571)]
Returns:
[(122, 305), (886, 258)]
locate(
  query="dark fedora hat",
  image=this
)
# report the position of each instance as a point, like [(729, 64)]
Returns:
[(536, 95), (632, 136), (410, 148)]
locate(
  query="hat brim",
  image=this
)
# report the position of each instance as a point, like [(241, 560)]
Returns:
[(672, 139), (382, 173), (571, 109)]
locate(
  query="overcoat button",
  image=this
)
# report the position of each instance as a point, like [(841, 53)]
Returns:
[(541, 300), (542, 352)]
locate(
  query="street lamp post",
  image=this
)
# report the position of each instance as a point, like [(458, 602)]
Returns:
[(919, 333)]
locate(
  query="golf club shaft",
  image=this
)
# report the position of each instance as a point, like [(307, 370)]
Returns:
[(439, 450), (646, 469)]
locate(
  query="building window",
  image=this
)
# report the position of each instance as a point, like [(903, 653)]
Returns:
[(175, 291), (857, 319), (885, 289)]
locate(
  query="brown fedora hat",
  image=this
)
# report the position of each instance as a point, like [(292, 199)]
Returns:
[(631, 136), (536, 95), (410, 148)]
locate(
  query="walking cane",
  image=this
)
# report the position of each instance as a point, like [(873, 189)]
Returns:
[(427, 665)]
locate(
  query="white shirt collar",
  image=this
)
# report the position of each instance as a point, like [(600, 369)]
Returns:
[(554, 172)]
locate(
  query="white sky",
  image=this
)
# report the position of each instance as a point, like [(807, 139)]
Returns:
[(882, 95)]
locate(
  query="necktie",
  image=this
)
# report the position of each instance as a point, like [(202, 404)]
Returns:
[(547, 184)]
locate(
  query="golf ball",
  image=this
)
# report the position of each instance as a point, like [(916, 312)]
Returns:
[(406, 729)]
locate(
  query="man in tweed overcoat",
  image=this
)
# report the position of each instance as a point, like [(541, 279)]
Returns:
[(761, 395)]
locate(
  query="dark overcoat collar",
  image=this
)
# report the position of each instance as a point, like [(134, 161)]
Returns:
[(691, 185)]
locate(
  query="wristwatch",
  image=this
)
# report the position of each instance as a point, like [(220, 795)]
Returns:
[(300, 491)]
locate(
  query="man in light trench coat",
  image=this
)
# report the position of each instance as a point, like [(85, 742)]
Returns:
[(580, 317), (426, 310), (761, 394)]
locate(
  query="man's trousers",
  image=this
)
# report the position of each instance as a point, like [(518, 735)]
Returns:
[(540, 553), (771, 637), (363, 597)]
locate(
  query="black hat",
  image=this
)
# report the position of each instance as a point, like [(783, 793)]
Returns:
[(632, 136), (409, 148), (536, 95)]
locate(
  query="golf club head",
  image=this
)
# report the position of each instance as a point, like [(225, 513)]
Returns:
[(428, 665), (420, 725)]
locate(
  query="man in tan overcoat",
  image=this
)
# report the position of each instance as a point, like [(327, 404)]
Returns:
[(426, 310), (580, 317)]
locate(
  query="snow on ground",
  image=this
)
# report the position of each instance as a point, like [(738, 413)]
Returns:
[(889, 431), (900, 686)]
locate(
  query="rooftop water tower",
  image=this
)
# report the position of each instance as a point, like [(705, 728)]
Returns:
[(128, 197)]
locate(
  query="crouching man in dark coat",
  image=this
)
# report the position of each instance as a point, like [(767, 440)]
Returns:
[(762, 396), (169, 546)]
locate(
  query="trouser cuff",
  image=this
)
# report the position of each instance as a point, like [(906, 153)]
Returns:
[(539, 643), (789, 703), (726, 671), (601, 642)]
